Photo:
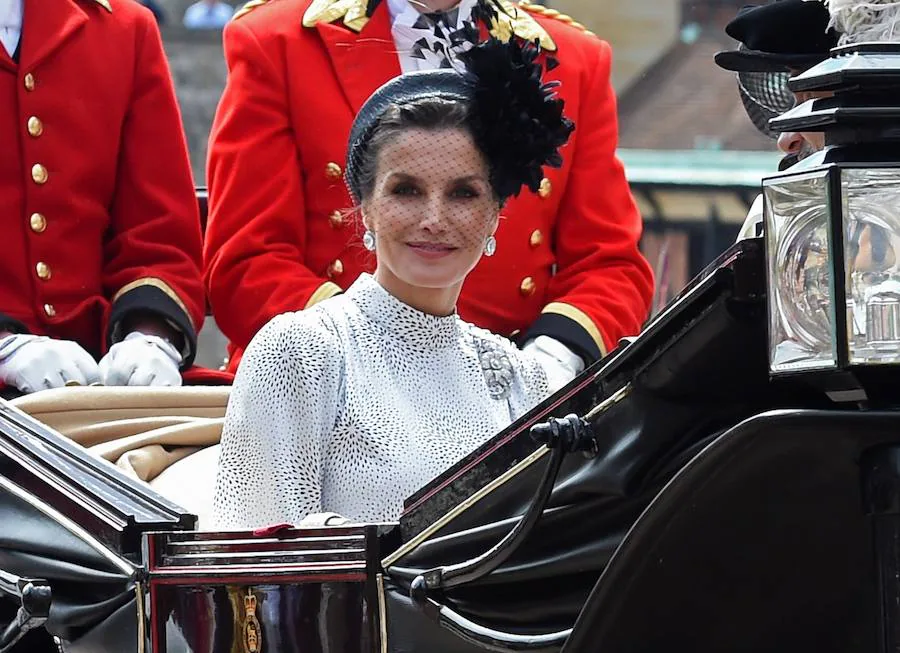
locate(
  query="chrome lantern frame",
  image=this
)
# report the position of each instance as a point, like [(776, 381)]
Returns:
[(832, 225)]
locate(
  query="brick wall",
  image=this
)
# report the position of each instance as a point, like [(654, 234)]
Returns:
[(198, 69), (639, 31)]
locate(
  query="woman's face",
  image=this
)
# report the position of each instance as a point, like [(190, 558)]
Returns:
[(431, 210)]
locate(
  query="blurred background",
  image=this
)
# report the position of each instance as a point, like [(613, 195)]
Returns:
[(692, 156)]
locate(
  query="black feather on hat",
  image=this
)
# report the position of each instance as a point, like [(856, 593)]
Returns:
[(517, 119)]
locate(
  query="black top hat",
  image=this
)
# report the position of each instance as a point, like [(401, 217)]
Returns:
[(779, 36)]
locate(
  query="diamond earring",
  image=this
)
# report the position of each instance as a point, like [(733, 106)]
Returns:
[(490, 246), (369, 240)]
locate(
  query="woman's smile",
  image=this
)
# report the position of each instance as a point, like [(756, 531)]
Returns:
[(430, 250)]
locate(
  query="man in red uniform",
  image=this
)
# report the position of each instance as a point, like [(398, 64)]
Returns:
[(103, 242), (567, 276)]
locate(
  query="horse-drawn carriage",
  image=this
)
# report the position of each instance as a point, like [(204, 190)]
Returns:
[(674, 496)]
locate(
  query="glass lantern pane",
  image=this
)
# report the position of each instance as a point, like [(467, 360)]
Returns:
[(798, 245), (872, 261)]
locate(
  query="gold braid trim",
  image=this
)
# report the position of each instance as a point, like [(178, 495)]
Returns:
[(323, 292), (465, 505), (247, 8), (541, 10), (581, 318), (159, 284)]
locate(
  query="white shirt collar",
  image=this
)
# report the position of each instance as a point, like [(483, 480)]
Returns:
[(10, 24), (404, 15), (395, 8)]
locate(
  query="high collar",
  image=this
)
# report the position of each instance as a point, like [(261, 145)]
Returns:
[(402, 321)]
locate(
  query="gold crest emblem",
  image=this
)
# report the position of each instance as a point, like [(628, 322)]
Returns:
[(252, 629)]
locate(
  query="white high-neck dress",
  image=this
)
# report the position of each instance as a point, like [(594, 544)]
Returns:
[(354, 404)]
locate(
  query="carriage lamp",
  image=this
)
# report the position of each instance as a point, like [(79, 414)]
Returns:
[(832, 221)]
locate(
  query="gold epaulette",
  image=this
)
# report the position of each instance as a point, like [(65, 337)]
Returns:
[(248, 7), (541, 10), (353, 12), (511, 21)]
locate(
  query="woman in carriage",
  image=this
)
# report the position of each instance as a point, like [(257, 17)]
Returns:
[(350, 406)]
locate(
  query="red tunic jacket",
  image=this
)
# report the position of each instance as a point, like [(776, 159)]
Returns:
[(98, 211), (567, 261)]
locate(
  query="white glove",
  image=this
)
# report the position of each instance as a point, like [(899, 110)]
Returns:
[(560, 363), (141, 360), (31, 363)]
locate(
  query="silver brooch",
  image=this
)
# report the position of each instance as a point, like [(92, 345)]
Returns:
[(498, 371)]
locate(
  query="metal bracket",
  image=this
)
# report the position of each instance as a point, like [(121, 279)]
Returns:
[(34, 596)]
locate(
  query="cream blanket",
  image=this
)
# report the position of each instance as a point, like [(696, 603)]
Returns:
[(166, 437)]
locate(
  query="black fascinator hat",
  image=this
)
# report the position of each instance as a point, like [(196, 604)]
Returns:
[(515, 118)]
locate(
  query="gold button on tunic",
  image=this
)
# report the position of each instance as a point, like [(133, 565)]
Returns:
[(39, 174), (333, 171), (527, 287), (546, 188), (37, 222), (35, 126), (335, 269)]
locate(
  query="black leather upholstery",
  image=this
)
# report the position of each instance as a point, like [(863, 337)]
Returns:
[(87, 587)]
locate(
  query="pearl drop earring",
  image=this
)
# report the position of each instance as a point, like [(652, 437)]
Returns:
[(369, 240), (490, 246)]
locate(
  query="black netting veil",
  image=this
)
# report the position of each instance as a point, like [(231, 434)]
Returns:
[(765, 95)]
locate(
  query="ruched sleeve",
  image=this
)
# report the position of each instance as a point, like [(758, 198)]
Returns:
[(286, 399)]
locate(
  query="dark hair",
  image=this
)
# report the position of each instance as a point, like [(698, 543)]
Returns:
[(428, 113)]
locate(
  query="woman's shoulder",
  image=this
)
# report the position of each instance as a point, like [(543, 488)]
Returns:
[(308, 335)]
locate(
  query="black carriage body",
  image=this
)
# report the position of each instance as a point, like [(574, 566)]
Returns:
[(697, 370)]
